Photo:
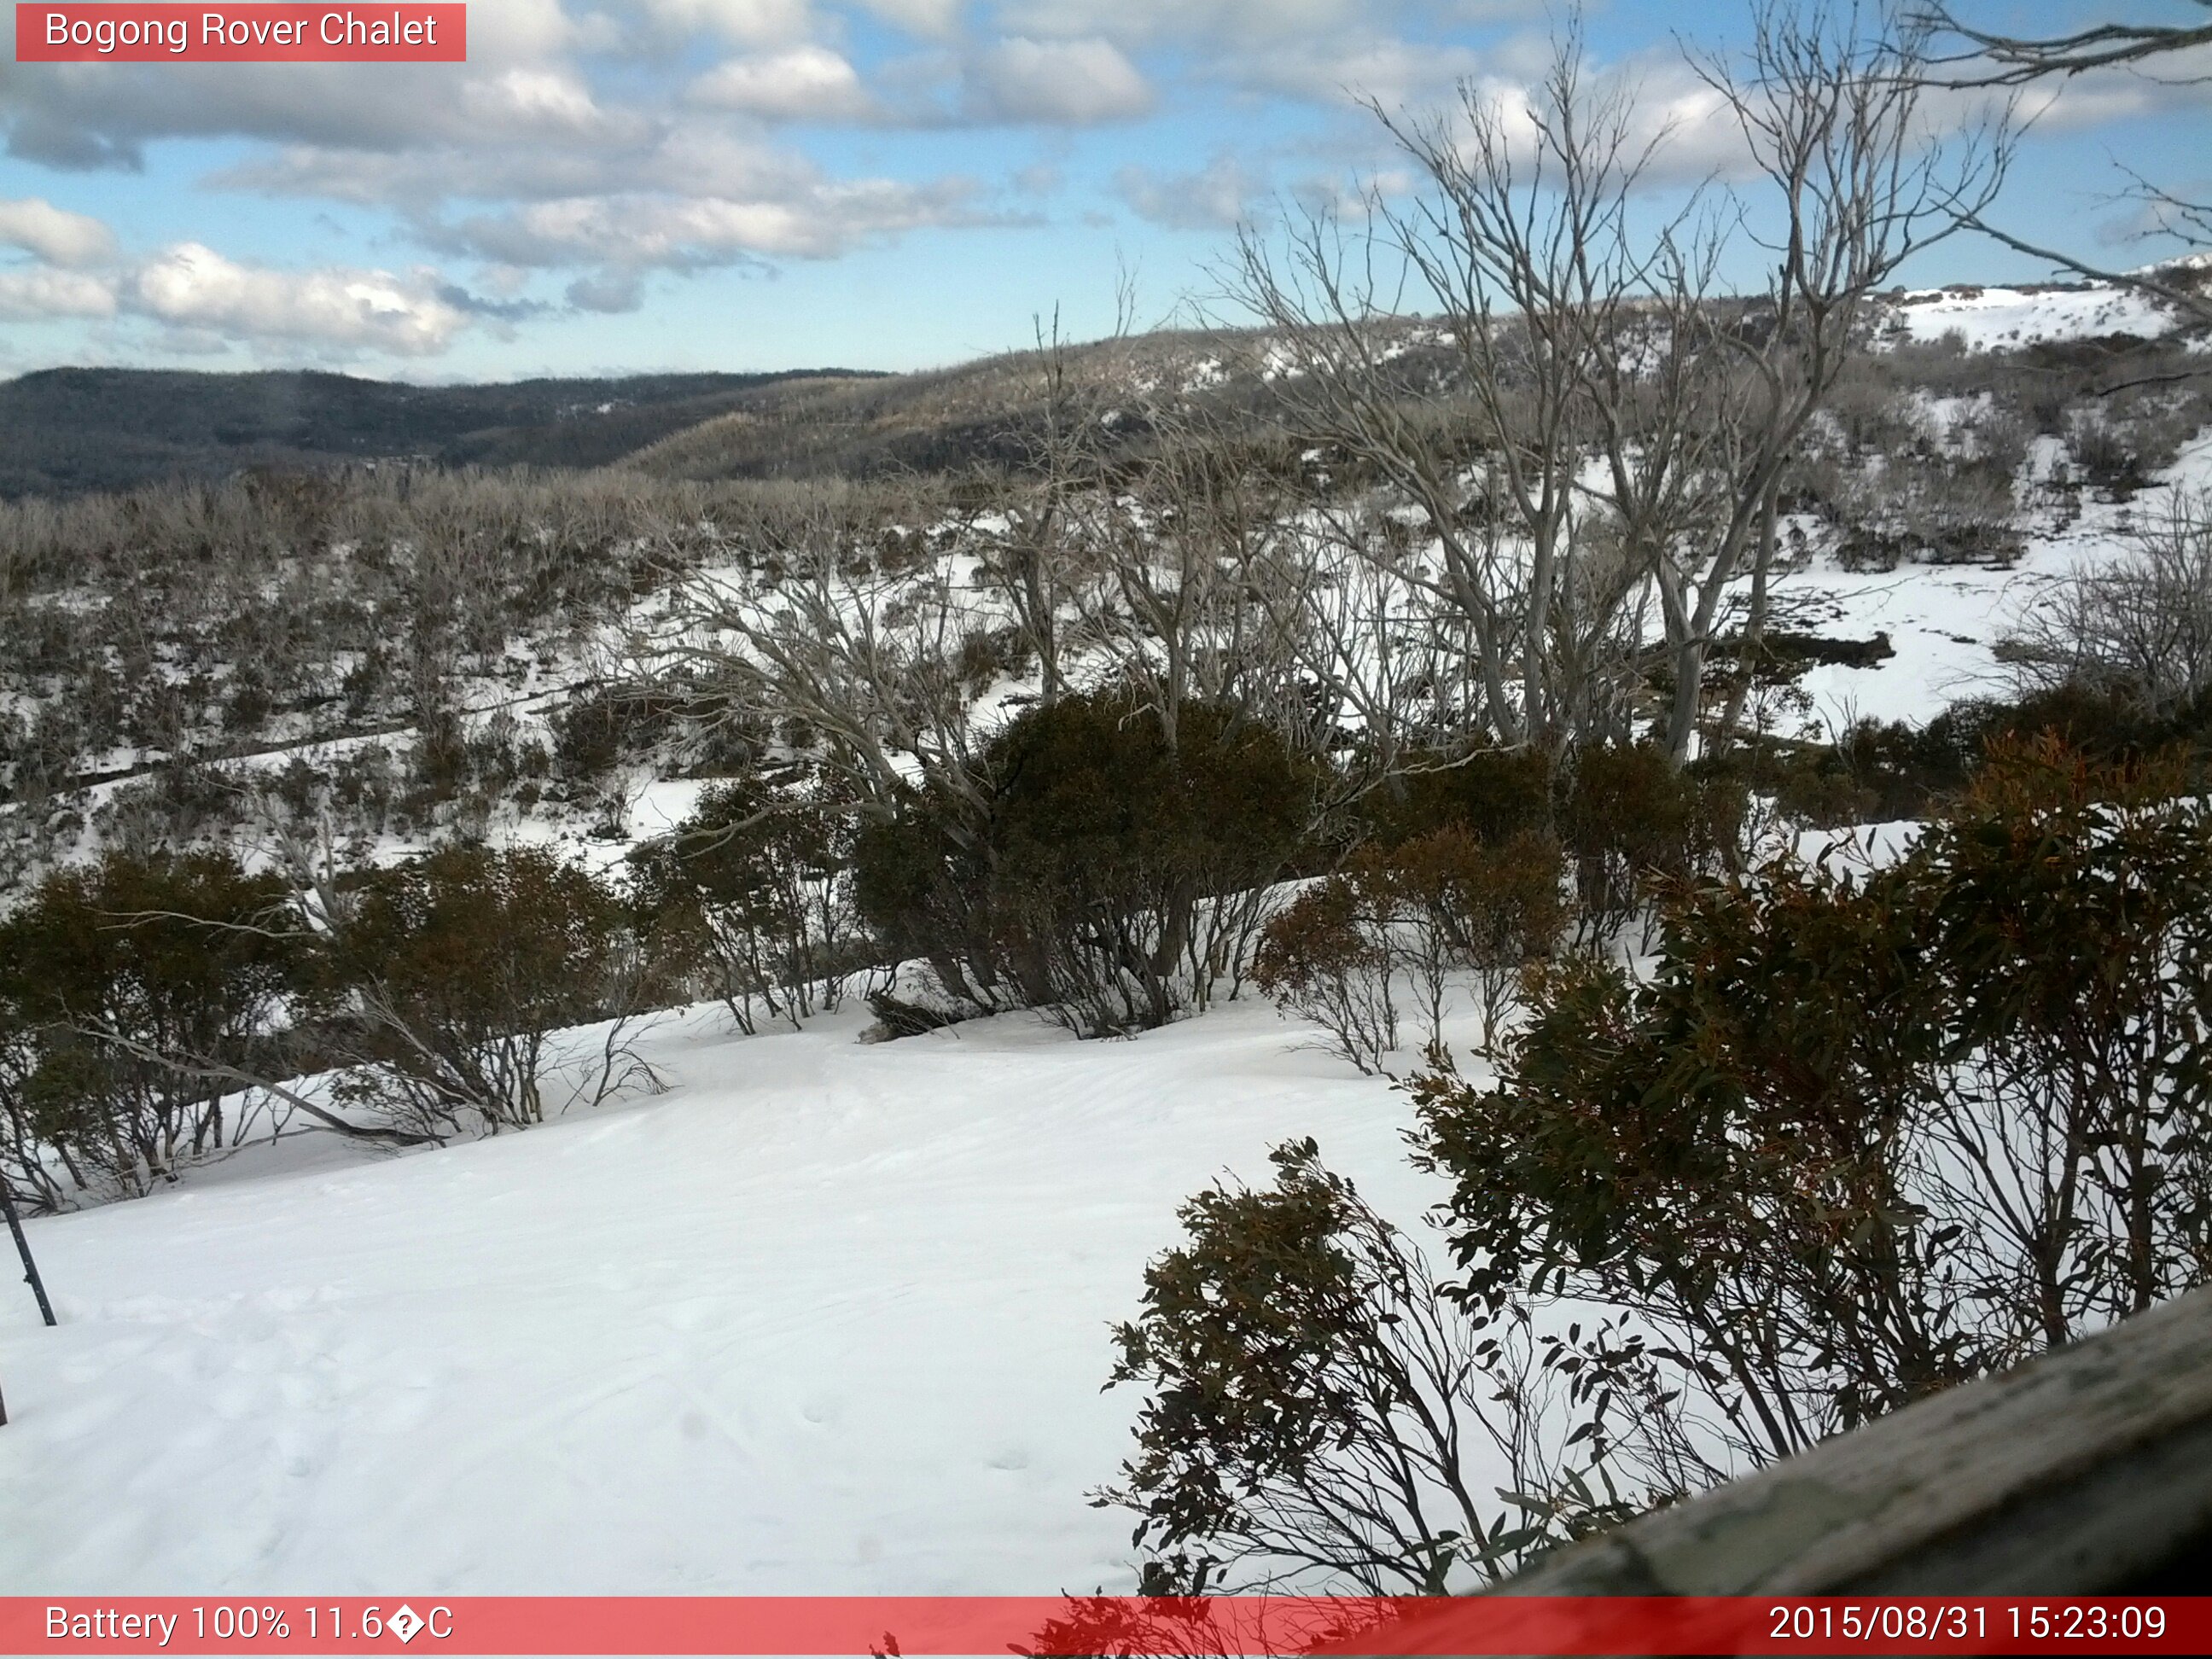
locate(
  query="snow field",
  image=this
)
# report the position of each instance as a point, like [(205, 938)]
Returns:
[(826, 1317)]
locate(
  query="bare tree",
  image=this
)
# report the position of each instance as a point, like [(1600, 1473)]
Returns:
[(1994, 59), (1604, 417), (835, 628), (1515, 246), (1832, 107)]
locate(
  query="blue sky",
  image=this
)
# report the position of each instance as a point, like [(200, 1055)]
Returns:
[(773, 184)]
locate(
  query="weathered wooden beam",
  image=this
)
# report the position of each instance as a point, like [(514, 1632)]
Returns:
[(2088, 1470)]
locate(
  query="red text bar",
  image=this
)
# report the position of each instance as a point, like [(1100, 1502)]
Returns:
[(81, 33), (1219, 1627)]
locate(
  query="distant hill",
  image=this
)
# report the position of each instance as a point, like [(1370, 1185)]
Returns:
[(65, 431), (68, 431)]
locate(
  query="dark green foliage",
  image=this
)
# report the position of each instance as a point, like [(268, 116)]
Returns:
[(756, 884), (1630, 819), (1882, 770), (128, 984), (452, 972), (1312, 1404), (1493, 794), (1105, 873), (600, 729), (1860, 1138)]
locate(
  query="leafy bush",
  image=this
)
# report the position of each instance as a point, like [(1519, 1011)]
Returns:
[(1314, 1407), (1859, 1140), (1492, 794), (1434, 907), (1884, 770), (1489, 908), (1630, 819), (1105, 873), (758, 882), (451, 974), (129, 986), (1328, 958)]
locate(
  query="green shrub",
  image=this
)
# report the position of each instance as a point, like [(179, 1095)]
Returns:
[(1631, 821), (452, 973), (1102, 872), (130, 984), (1493, 794), (1859, 1139), (758, 882)]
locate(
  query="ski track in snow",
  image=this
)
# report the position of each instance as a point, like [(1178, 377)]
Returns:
[(825, 1318)]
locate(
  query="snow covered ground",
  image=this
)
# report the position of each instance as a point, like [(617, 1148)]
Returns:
[(1986, 317), (1944, 621), (826, 1317)]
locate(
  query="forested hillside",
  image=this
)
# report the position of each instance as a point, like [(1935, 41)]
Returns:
[(68, 431)]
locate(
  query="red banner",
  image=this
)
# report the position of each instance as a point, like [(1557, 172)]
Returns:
[(221, 33), (1216, 1627)]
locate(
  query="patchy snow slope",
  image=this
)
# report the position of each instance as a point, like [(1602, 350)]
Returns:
[(827, 1317), (1944, 621), (1997, 317)]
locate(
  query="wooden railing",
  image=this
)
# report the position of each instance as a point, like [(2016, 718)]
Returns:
[(2088, 1470)]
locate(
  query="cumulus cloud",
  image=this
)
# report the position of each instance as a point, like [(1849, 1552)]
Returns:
[(1077, 82), (1146, 20), (191, 286), (751, 22), (41, 292), (1331, 69), (679, 233), (1212, 198), (54, 234), (803, 83)]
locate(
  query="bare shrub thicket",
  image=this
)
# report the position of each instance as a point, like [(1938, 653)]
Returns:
[(2139, 627), (183, 626)]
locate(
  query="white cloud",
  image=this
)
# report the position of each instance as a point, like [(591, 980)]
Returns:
[(1075, 82), (751, 22), (54, 234), (41, 292), (634, 232), (191, 286), (540, 101), (1146, 20), (937, 19), (1212, 198), (1329, 69), (802, 83)]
